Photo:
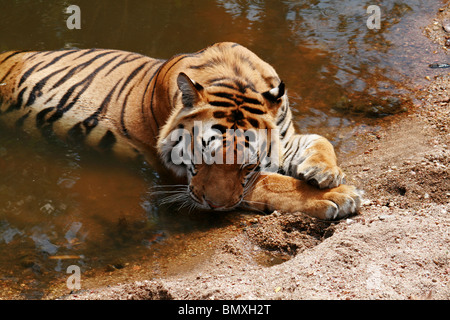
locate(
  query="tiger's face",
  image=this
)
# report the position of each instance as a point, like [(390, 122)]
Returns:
[(218, 187), (216, 140)]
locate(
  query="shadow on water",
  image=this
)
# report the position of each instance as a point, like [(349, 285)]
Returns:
[(60, 206)]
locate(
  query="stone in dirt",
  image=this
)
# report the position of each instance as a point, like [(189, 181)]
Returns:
[(446, 25)]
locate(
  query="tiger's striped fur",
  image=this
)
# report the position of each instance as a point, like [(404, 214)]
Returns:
[(129, 104)]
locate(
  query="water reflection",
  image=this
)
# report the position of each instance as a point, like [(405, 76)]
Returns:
[(58, 202)]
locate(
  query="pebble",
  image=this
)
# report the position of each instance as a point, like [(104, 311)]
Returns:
[(447, 42), (446, 25)]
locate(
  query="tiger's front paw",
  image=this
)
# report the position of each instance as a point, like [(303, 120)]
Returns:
[(340, 202), (320, 174)]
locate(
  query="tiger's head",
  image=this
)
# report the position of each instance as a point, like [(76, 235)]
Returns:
[(220, 138)]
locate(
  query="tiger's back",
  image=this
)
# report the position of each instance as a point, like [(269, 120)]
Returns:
[(88, 96), (116, 100)]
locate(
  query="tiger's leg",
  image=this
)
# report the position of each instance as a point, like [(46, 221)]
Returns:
[(287, 194), (312, 158)]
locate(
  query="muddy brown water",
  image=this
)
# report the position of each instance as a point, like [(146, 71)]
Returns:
[(60, 206)]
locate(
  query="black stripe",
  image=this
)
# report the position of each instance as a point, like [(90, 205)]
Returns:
[(253, 122), (249, 100), (283, 132), (40, 117), (47, 53), (124, 61), (30, 57), (86, 52), (12, 55), (57, 59), (131, 76), (49, 99), (269, 152), (37, 89), (221, 104), (224, 85), (219, 114), (75, 135), (146, 90), (108, 141), (19, 102), (28, 73), (241, 86), (155, 63), (282, 117), (291, 150), (253, 110), (205, 65), (62, 107), (237, 115), (81, 67), (223, 95), (122, 116), (8, 72), (181, 57), (219, 127), (211, 81), (92, 121), (156, 75), (104, 106)]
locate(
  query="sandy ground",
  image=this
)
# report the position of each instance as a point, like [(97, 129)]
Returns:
[(397, 247)]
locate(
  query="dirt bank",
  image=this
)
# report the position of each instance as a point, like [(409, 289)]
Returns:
[(398, 247)]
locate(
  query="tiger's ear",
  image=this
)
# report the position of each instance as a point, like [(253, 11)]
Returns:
[(192, 91), (273, 95)]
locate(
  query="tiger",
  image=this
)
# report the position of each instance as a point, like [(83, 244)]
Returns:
[(128, 104)]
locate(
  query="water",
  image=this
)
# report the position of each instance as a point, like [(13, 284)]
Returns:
[(61, 206)]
